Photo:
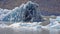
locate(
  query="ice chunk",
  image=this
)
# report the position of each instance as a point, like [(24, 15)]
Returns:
[(58, 18), (26, 12)]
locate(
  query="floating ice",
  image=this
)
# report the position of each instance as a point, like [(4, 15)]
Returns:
[(22, 16), (3, 25), (58, 18), (53, 22), (29, 26), (26, 12)]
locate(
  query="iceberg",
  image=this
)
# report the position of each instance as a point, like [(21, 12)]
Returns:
[(25, 13), (26, 19)]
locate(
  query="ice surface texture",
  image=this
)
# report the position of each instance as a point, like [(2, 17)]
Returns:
[(26, 13)]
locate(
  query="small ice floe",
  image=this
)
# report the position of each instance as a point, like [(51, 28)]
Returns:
[(16, 25), (56, 26), (53, 23), (30, 26), (55, 29), (3, 25), (58, 18)]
